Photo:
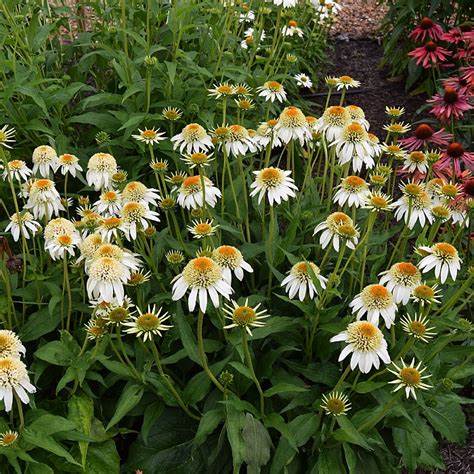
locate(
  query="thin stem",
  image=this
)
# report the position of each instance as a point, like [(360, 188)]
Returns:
[(248, 360)]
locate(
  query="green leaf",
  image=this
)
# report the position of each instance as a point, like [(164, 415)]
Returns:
[(234, 424), (276, 421), (186, 335), (208, 423), (366, 387), (39, 324), (152, 413), (348, 432), (258, 443), (171, 68), (449, 420), (81, 411), (351, 459), (128, 399), (284, 388), (102, 458)]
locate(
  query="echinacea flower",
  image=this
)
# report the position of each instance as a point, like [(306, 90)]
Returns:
[(198, 160), (68, 163), (425, 294), (376, 301), (149, 136), (10, 345), (44, 160), (202, 229), (417, 327), (456, 158), (109, 203), (14, 381), (100, 169), (346, 82), (174, 257), (366, 343), (459, 34), (357, 115), (108, 250), (352, 145), (266, 135), (378, 202), (147, 324), (44, 199), (292, 29), (409, 377), (299, 280), (230, 259), (275, 183), (416, 161), (106, 279), (424, 136), (401, 279), (443, 258), (426, 28), (333, 121), (271, 91), (335, 404), (414, 208), (61, 245), (224, 89), (8, 438), (191, 195), (136, 215), (244, 316), (171, 113), (394, 112), (292, 125), (451, 104), (303, 80), (135, 191), (17, 169), (353, 190), (7, 135), (429, 55), (285, 3), (330, 231), (22, 223), (237, 141), (96, 329), (203, 277), (193, 138)]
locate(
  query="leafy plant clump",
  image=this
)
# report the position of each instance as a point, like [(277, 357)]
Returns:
[(197, 274)]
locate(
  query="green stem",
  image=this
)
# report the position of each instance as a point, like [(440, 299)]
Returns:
[(375, 419), (248, 360), (20, 411)]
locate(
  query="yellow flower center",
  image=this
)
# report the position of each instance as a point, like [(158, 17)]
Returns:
[(148, 321), (244, 315), (410, 376)]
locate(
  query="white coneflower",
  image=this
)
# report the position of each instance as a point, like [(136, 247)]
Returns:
[(108, 250), (292, 29), (171, 113), (378, 202), (57, 227), (150, 136), (357, 115), (353, 191), (174, 257), (14, 380), (95, 329), (248, 16), (193, 138), (331, 124), (409, 377), (417, 327), (271, 91), (394, 151), (8, 438), (10, 345), (18, 170), (223, 89), (109, 203), (106, 279), (68, 163), (416, 161), (44, 159), (285, 3), (201, 229), (375, 301), (115, 314), (204, 277), (136, 215), (250, 39), (44, 199), (366, 343), (346, 82), (243, 90), (417, 207), (300, 280), (62, 244), (149, 324), (292, 125), (353, 141), (425, 294), (401, 280), (22, 223), (266, 135), (330, 231), (191, 196), (394, 112), (238, 142), (230, 259), (89, 245), (244, 316), (110, 227), (443, 258), (198, 160), (7, 135), (335, 404), (136, 191), (303, 80), (100, 169), (397, 128), (244, 103), (275, 183)]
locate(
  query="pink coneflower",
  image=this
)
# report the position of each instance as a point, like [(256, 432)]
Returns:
[(450, 104), (465, 53), (430, 54), (426, 28), (461, 85), (425, 136), (467, 74), (455, 155), (458, 34)]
